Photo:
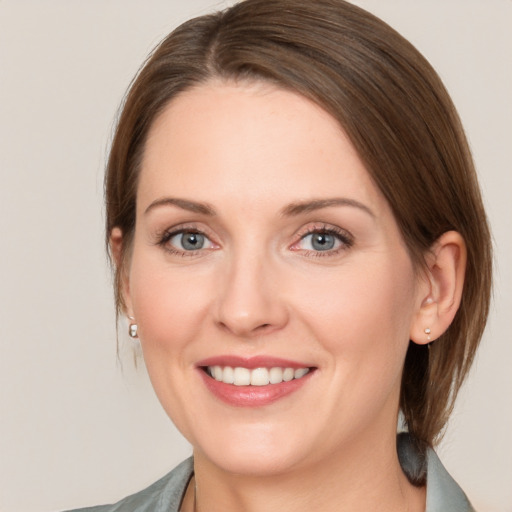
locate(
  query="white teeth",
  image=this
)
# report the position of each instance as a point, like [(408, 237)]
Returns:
[(276, 375), (240, 376), (228, 375), (300, 372), (217, 372), (259, 377), (288, 374)]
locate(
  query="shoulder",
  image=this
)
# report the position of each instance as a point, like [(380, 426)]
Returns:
[(423, 466), (443, 492), (164, 495)]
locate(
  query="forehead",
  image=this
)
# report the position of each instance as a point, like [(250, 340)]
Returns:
[(256, 142)]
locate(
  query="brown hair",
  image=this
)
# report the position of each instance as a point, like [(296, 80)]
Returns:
[(395, 110)]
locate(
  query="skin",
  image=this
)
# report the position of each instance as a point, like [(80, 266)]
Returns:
[(258, 287)]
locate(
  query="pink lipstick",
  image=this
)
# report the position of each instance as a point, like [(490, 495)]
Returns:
[(255, 381)]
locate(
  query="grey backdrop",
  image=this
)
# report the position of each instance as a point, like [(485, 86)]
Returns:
[(76, 428)]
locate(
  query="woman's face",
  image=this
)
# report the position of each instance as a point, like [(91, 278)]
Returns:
[(262, 244)]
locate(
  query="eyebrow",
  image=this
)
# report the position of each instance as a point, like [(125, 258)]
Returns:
[(185, 204), (300, 207), (291, 210)]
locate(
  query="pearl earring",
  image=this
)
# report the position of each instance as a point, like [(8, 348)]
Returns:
[(132, 330), (427, 332)]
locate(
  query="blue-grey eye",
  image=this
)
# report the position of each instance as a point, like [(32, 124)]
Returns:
[(320, 241), (190, 241)]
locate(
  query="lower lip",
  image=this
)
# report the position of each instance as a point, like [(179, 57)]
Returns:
[(252, 396)]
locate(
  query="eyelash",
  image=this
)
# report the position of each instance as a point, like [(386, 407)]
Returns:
[(164, 238), (343, 236)]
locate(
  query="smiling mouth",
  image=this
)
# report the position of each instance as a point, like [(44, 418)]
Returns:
[(240, 376)]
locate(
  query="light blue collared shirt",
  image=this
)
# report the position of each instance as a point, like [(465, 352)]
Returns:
[(165, 495)]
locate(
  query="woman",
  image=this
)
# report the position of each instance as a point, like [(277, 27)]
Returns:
[(301, 249)]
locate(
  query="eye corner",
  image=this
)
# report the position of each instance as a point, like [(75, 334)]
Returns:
[(330, 240), (173, 241)]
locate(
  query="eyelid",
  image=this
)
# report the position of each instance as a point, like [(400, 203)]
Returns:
[(163, 237), (344, 236), (180, 228), (170, 239)]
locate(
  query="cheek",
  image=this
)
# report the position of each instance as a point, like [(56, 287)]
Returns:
[(362, 318), (362, 327), (170, 308), (170, 304)]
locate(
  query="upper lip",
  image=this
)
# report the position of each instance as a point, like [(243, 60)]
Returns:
[(261, 361)]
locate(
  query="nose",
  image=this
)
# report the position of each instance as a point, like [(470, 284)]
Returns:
[(251, 299)]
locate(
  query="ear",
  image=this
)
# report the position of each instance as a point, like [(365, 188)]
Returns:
[(116, 249), (440, 292)]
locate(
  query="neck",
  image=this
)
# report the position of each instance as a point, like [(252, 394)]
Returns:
[(363, 477)]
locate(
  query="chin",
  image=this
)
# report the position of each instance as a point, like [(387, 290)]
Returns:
[(254, 453), (254, 462)]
